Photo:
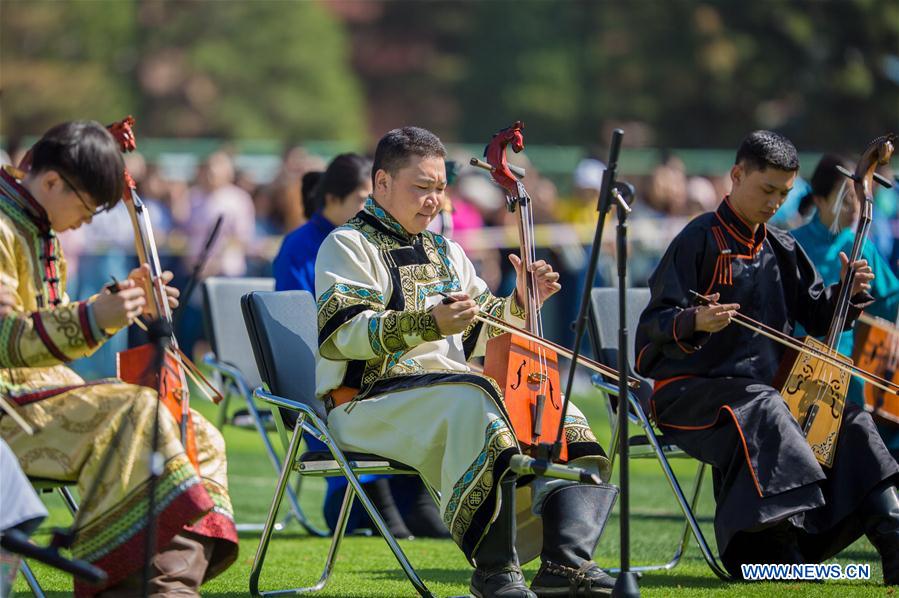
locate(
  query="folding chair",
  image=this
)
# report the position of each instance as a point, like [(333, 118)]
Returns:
[(604, 337), (44, 486), (232, 359), (283, 331)]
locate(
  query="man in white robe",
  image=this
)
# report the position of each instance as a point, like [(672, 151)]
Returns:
[(392, 372)]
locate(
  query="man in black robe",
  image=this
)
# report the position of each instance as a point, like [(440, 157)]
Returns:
[(713, 393)]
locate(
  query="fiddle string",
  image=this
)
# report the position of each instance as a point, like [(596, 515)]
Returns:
[(826, 379), (527, 214), (843, 308), (846, 305)]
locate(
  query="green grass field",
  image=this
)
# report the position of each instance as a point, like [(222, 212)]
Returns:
[(365, 566)]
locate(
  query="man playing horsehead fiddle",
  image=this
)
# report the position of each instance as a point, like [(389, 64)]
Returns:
[(392, 373), (77, 171), (713, 393)]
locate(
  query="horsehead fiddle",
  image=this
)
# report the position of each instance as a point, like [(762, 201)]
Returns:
[(876, 346), (523, 363), (136, 365)]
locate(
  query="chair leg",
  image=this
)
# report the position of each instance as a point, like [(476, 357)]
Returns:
[(694, 500), (340, 531), (687, 507), (613, 442), (266, 537), (385, 532), (26, 572), (222, 414), (434, 494), (369, 507), (295, 510), (71, 503)]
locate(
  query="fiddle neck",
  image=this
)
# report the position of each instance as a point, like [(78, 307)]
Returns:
[(527, 254), (844, 298)]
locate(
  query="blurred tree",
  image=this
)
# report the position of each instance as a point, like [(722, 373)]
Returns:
[(57, 63), (682, 73), (409, 60), (526, 60), (264, 69), (261, 69), (698, 73)]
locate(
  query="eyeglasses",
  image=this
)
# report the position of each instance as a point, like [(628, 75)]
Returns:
[(93, 211)]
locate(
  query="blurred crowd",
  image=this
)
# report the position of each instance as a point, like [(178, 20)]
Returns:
[(257, 214)]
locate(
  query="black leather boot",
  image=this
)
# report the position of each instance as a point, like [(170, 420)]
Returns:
[(880, 511), (573, 520), (420, 512), (380, 494), (497, 573), (771, 543)]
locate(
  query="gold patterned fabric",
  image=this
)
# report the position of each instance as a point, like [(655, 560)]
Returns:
[(77, 422), (418, 401)]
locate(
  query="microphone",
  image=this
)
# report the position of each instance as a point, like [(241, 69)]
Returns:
[(14, 540), (524, 465)]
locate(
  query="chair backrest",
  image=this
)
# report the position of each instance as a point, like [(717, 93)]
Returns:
[(229, 340), (604, 318), (283, 331)]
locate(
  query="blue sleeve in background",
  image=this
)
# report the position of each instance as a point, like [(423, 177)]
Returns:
[(294, 267), (885, 287)]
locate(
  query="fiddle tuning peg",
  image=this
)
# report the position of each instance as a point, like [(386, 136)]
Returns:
[(516, 170), (847, 173), (877, 177), (883, 180), (477, 163)]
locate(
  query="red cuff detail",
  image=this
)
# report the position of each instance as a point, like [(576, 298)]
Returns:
[(86, 324)]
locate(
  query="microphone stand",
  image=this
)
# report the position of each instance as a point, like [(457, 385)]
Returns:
[(160, 333), (626, 584), (604, 204)]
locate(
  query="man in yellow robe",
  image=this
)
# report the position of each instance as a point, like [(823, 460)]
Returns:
[(77, 171)]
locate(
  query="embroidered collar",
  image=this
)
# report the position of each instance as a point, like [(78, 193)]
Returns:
[(739, 229), (388, 222), (15, 193)]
